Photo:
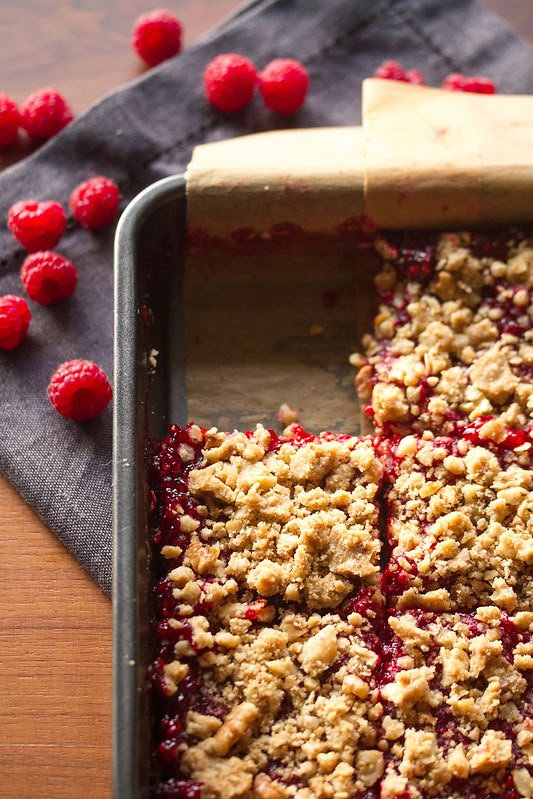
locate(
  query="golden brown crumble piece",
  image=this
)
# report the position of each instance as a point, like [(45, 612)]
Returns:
[(453, 337), (460, 526), (456, 701), (278, 674)]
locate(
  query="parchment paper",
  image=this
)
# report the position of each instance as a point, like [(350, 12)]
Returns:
[(444, 159), (312, 178), (269, 328), (424, 158)]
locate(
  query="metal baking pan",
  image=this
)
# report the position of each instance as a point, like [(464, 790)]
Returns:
[(223, 342), (148, 260)]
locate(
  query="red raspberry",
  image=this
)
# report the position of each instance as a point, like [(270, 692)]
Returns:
[(14, 321), (283, 84), (79, 390), (156, 36), (95, 202), (10, 120), (477, 84), (229, 82), (48, 277), (391, 70), (454, 82), (38, 226), (415, 77), (45, 113)]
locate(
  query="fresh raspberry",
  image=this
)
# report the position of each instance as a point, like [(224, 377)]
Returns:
[(283, 84), (156, 36), (391, 70), (477, 84), (45, 113), (48, 277), (14, 321), (79, 390), (229, 82), (454, 82), (95, 202), (415, 77), (10, 120), (37, 225)]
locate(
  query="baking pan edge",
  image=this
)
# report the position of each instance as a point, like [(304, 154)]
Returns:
[(129, 531)]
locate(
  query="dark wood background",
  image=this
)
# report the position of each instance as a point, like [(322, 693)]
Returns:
[(55, 624)]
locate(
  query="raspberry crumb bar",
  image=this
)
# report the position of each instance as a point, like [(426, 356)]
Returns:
[(266, 616), (453, 338), (460, 524), (456, 693)]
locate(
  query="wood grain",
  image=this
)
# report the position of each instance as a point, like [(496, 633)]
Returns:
[(55, 650), (55, 624)]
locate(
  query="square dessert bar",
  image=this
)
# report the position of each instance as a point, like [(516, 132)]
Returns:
[(265, 675), (460, 522), (453, 338), (456, 694)]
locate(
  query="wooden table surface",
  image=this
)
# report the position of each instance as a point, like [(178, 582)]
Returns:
[(55, 624)]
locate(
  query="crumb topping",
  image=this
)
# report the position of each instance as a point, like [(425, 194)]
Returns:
[(455, 704), (453, 337), (298, 721), (460, 526), (298, 521), (274, 600)]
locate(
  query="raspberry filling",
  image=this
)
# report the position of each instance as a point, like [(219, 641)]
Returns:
[(477, 746)]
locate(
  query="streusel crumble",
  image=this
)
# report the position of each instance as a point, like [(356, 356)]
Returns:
[(297, 658), (453, 338), (456, 695), (266, 667), (460, 523)]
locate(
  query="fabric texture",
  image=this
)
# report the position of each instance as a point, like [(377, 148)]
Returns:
[(146, 131)]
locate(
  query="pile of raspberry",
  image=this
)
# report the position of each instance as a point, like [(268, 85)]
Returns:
[(42, 116), (230, 81), (78, 389)]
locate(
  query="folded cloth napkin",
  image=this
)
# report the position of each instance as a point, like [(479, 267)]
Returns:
[(146, 131)]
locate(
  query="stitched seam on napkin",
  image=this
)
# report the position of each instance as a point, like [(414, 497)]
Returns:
[(340, 40), (409, 20)]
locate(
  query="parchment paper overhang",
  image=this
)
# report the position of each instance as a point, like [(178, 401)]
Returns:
[(423, 158), (312, 177), (437, 158)]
